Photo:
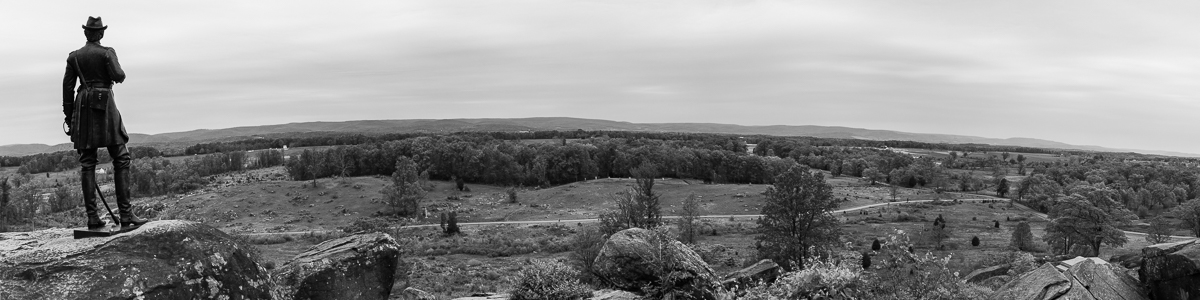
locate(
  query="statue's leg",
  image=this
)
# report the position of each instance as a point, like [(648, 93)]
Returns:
[(121, 161), (87, 176)]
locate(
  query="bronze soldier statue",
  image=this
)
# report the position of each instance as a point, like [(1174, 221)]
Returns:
[(93, 120)]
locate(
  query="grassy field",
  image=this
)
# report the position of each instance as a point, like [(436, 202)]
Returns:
[(1029, 157), (485, 257)]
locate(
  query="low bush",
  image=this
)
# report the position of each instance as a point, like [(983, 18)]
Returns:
[(548, 279), (266, 239), (905, 217), (367, 225)]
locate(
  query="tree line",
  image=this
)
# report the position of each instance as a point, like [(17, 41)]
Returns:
[(69, 159), (483, 159)]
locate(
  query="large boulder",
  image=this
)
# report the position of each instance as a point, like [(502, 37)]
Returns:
[(764, 271), (1104, 281), (412, 293), (607, 294), (354, 267), (1131, 261), (160, 260), (1044, 282), (1172, 270), (1086, 279), (635, 258)]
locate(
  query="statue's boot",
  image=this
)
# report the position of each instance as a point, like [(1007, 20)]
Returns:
[(88, 178), (121, 176)]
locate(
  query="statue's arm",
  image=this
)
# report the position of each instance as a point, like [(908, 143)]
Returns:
[(68, 101), (114, 67)]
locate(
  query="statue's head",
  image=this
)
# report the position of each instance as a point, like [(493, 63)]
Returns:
[(94, 29)]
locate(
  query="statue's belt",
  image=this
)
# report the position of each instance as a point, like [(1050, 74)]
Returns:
[(96, 94), (99, 85)]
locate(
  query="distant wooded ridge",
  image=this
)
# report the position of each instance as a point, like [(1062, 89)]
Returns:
[(179, 140)]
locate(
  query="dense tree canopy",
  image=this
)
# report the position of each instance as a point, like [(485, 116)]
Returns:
[(1088, 217)]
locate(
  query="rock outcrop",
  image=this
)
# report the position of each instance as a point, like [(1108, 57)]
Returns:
[(354, 267), (1131, 261), (985, 273), (1082, 281), (765, 271), (160, 260), (1172, 270), (634, 258), (605, 294), (614, 295), (500, 296), (411, 293)]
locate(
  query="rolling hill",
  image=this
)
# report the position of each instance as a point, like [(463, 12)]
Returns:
[(561, 123)]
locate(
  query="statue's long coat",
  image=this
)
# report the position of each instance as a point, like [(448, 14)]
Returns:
[(92, 111)]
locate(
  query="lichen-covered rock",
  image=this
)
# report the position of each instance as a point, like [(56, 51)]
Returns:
[(764, 271), (160, 260), (1128, 261), (985, 273), (614, 295), (412, 293), (1045, 282), (1085, 280), (1172, 270), (635, 258), (488, 296), (355, 267), (1104, 281)]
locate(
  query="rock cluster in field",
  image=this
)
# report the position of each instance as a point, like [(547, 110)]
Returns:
[(186, 260)]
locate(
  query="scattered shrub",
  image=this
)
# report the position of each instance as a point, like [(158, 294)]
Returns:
[(547, 279), (975, 241), (449, 223), (364, 225), (997, 225), (875, 245), (866, 261), (1022, 237), (512, 195)]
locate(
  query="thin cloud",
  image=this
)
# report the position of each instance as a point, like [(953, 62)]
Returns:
[(1112, 74)]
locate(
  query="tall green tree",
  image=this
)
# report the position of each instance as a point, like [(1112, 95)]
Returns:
[(1002, 188), (688, 214), (873, 175), (1088, 217), (637, 207), (1022, 237), (1189, 212), (797, 217), (1160, 231), (405, 193), (1021, 164)]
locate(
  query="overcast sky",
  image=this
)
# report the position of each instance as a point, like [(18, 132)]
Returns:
[(1109, 73)]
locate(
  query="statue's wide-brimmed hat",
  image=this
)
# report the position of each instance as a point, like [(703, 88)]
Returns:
[(95, 23)]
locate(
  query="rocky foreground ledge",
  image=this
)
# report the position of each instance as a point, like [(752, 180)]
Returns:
[(187, 260)]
